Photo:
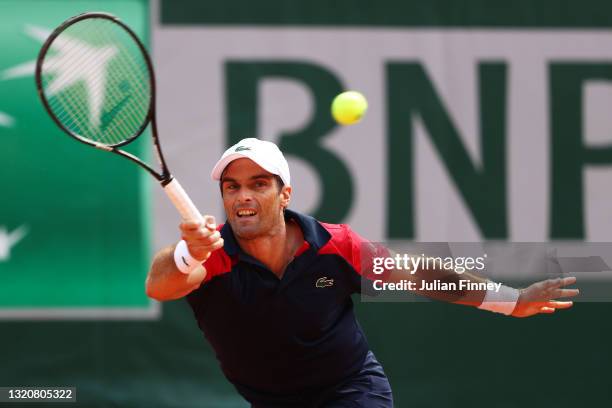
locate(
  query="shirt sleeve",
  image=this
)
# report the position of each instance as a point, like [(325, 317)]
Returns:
[(364, 253), (360, 254), (217, 264)]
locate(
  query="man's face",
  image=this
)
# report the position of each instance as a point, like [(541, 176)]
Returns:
[(252, 199)]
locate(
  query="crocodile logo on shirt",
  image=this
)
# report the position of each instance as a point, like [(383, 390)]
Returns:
[(324, 282)]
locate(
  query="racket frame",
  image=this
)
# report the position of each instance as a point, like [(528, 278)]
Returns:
[(164, 177)]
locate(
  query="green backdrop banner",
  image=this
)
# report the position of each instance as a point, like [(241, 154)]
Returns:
[(74, 222)]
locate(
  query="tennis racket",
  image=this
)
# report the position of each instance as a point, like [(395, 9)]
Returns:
[(96, 81)]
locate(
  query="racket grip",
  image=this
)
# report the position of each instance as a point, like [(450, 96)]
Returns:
[(182, 202)]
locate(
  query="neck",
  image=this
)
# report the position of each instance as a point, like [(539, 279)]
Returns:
[(275, 249)]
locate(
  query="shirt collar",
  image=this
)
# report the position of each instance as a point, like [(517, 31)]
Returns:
[(314, 233)]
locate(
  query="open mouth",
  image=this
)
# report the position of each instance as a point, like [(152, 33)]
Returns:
[(246, 213)]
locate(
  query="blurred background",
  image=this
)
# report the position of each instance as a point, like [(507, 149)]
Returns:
[(488, 120)]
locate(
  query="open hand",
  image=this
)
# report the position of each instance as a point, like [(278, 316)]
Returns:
[(541, 297)]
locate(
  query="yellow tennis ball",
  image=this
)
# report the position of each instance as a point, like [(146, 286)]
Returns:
[(349, 107)]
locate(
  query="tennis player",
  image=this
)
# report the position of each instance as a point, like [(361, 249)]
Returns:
[(271, 291)]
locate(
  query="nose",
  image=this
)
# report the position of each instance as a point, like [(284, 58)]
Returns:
[(244, 196)]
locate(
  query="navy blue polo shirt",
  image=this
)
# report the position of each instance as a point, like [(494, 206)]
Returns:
[(281, 336)]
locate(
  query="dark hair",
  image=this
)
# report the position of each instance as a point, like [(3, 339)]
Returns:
[(279, 182)]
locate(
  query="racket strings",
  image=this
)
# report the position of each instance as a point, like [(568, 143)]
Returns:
[(123, 73), (70, 110), (97, 82), (141, 93)]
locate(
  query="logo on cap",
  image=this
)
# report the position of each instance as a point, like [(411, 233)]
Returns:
[(241, 148)]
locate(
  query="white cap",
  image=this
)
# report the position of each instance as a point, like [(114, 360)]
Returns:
[(266, 154)]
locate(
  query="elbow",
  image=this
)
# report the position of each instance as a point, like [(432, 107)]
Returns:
[(156, 295), (163, 294), (151, 292)]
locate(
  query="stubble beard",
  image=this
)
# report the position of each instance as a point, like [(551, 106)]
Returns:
[(268, 227)]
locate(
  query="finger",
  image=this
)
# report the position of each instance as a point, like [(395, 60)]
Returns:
[(206, 242), (199, 249), (547, 309), (190, 225), (213, 237), (217, 245), (552, 283), (560, 282), (564, 293), (195, 233), (210, 222), (570, 280), (202, 236), (559, 305)]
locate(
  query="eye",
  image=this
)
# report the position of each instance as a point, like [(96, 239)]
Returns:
[(260, 184), (231, 186)]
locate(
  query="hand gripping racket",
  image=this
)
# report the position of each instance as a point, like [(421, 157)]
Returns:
[(96, 80)]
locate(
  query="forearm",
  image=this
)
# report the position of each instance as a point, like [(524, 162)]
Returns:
[(166, 282), (462, 287)]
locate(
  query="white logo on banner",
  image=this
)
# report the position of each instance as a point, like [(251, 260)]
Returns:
[(9, 239), (68, 58), (6, 120), (22, 70)]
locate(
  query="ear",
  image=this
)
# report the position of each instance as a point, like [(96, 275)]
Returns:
[(285, 195)]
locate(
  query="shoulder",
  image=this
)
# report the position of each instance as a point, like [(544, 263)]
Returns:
[(343, 242), (341, 234), (356, 250)]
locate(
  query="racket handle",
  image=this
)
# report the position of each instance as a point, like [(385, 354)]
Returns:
[(182, 202)]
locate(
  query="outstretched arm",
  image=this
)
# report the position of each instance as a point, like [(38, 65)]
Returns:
[(541, 297)]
